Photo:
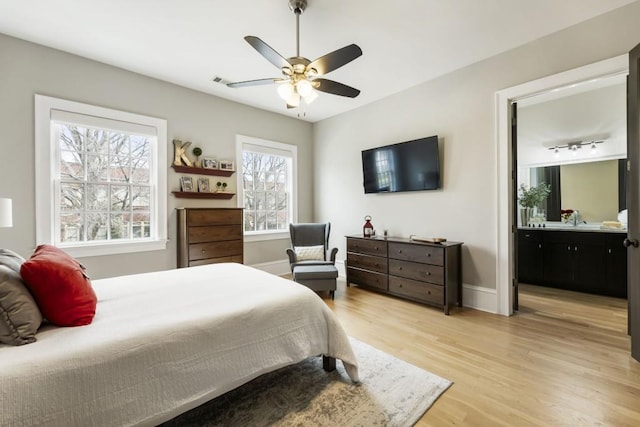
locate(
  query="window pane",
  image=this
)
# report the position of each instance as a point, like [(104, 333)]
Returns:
[(271, 201), (271, 221), (120, 224), (71, 165), (140, 198), (71, 197), (283, 219), (71, 227), (249, 220), (97, 197), (118, 144), (141, 225), (120, 169), (96, 140), (140, 171), (249, 200), (261, 220), (97, 168), (97, 226), (260, 200), (120, 198)]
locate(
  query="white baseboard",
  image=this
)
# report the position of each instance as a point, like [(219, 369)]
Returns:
[(279, 267), (479, 298), (340, 266)]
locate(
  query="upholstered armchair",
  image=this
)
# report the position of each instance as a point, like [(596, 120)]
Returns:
[(310, 245)]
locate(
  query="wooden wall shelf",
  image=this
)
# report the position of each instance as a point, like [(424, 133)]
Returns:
[(196, 195), (202, 171)]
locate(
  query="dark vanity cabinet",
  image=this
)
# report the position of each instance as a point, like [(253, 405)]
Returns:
[(616, 255), (583, 261), (530, 261), (575, 260)]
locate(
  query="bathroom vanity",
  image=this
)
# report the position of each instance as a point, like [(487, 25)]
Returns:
[(579, 258)]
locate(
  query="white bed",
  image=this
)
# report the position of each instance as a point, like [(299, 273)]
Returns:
[(163, 343)]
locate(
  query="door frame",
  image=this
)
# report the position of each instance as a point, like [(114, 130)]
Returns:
[(505, 244)]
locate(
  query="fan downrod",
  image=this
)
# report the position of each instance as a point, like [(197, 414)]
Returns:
[(298, 6)]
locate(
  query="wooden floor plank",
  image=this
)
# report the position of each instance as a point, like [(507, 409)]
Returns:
[(564, 359)]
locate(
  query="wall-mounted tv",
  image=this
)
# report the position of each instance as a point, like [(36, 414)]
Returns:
[(406, 166)]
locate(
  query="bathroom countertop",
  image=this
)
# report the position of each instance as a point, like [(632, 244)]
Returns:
[(561, 226)]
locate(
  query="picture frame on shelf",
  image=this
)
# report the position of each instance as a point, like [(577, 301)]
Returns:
[(186, 184), (226, 165), (209, 163), (203, 185)]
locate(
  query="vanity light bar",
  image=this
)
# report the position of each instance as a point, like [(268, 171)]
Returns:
[(575, 145)]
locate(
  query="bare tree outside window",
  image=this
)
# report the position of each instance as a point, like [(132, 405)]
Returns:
[(105, 184), (265, 180)]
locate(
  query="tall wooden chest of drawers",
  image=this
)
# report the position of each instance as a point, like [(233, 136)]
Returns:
[(209, 235), (424, 272)]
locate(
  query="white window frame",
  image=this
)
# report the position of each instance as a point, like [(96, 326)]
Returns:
[(268, 147), (47, 176)]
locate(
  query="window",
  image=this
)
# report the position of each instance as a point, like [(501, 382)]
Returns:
[(267, 187), (100, 179)]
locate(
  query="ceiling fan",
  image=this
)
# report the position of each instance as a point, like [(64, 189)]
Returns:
[(302, 77)]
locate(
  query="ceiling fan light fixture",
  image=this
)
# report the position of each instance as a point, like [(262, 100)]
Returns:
[(311, 97), (293, 100), (285, 90), (304, 88)]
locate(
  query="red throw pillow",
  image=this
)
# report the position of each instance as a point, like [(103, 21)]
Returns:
[(60, 287)]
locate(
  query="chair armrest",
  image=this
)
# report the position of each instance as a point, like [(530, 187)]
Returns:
[(292, 256), (332, 257)]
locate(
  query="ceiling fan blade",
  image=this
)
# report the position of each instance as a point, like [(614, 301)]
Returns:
[(335, 88), (258, 82), (268, 52), (336, 59)]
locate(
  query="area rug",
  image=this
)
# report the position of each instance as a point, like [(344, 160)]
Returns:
[(391, 393)]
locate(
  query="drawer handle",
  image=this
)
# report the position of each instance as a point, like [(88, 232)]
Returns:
[(428, 273), (375, 248), (400, 285), (399, 251), (203, 251), (399, 268), (428, 292), (428, 254)]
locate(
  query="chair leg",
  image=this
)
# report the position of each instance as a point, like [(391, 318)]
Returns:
[(332, 294)]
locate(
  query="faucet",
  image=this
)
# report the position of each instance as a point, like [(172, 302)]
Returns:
[(575, 218)]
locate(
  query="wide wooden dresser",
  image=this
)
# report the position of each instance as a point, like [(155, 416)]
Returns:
[(209, 235), (429, 273)]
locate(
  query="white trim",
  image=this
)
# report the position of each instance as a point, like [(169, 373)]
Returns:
[(259, 236), (279, 268), (340, 265), (479, 298), (46, 187), (272, 147), (504, 246)]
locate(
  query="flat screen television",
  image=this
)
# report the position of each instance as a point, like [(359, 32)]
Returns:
[(406, 166)]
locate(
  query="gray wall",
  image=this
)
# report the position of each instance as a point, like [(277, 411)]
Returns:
[(208, 121), (460, 108)]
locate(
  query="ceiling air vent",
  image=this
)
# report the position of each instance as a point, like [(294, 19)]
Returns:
[(222, 81)]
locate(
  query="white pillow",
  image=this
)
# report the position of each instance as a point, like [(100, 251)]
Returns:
[(309, 253)]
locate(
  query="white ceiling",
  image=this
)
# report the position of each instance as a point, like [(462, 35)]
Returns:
[(188, 42)]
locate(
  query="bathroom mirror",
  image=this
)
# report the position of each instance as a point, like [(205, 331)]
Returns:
[(596, 189), (574, 139)]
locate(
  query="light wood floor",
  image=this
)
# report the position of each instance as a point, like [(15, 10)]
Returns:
[(564, 360)]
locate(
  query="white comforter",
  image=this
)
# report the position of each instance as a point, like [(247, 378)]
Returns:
[(163, 343)]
